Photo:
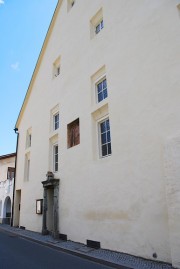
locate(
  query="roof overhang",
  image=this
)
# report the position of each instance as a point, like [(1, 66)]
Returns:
[(7, 156)]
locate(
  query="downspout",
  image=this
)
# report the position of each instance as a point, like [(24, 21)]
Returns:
[(16, 132)]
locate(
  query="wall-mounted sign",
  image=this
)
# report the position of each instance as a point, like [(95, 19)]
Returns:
[(39, 204)]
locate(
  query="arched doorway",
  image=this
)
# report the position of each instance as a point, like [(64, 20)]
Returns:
[(7, 211)]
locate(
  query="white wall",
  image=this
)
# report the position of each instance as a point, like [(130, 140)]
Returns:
[(6, 185), (120, 200)]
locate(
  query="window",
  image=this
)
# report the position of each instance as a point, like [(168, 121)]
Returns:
[(56, 67), (99, 27), (96, 23), (28, 138), (10, 173), (101, 88), (73, 133), (27, 167), (55, 158), (105, 138), (70, 4), (56, 121), (57, 71)]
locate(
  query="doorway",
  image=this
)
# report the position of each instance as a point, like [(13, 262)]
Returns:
[(17, 208), (50, 223), (7, 211)]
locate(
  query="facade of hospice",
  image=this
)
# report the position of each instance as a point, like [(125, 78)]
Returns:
[(99, 131)]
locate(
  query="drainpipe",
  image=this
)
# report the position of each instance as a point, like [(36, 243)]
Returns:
[(16, 132)]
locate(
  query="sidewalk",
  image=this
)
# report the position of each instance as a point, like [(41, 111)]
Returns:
[(107, 257)]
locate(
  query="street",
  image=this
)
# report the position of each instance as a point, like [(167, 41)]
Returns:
[(19, 253)]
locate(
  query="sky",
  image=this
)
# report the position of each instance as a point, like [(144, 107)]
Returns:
[(23, 27)]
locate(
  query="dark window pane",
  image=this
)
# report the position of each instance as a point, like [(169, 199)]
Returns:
[(100, 97), (104, 84), (109, 148), (103, 138), (105, 93), (108, 136), (99, 87), (103, 127), (102, 24), (56, 121), (97, 28), (56, 167), (107, 125), (104, 150), (56, 150)]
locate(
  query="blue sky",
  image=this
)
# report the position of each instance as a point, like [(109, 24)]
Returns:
[(23, 27)]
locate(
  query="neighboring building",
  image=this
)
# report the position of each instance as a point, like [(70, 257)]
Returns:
[(7, 170), (102, 113)]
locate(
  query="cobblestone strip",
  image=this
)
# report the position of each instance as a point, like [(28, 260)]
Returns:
[(102, 254)]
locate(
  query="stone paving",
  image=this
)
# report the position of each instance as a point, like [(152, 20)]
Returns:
[(116, 258)]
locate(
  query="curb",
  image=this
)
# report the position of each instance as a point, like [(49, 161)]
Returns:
[(71, 252)]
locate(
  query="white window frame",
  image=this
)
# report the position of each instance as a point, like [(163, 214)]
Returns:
[(54, 156), (101, 26), (55, 122), (99, 137), (98, 81), (53, 112)]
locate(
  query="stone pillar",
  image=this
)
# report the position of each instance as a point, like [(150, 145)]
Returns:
[(44, 225), (55, 212)]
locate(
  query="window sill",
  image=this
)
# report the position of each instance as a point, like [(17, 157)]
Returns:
[(100, 110), (99, 105), (98, 35), (75, 146), (53, 134), (103, 159)]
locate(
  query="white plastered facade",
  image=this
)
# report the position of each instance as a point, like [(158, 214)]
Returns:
[(124, 200), (6, 187)]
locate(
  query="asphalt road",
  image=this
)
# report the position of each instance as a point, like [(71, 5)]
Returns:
[(19, 253)]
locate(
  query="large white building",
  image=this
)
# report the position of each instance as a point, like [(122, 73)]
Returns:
[(7, 169), (102, 113)]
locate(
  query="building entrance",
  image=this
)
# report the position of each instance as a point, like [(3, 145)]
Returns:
[(51, 206), (7, 211)]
